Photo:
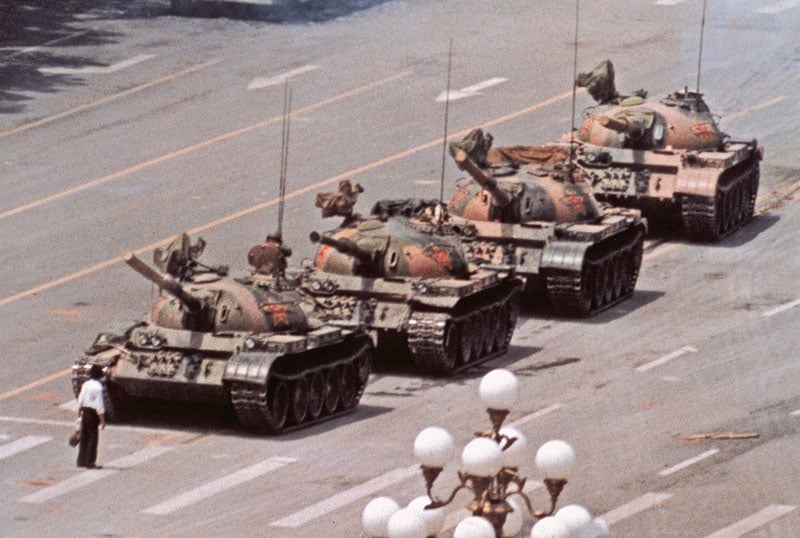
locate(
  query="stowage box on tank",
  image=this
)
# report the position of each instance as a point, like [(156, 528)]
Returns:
[(416, 291), (667, 157), (242, 341)]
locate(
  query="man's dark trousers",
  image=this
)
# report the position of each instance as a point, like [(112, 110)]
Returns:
[(87, 450)]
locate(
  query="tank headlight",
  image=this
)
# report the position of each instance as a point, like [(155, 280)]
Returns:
[(423, 288), (143, 339), (315, 285), (157, 340), (249, 343), (328, 286)]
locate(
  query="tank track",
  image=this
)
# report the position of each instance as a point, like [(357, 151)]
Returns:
[(304, 389), (443, 343), (711, 219), (608, 276)]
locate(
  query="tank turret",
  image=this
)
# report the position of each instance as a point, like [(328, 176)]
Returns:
[(666, 157), (499, 189)]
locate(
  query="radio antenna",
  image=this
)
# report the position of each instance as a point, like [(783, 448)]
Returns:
[(700, 54), (446, 114), (574, 88), (287, 106)]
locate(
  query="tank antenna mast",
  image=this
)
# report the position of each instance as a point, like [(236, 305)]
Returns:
[(287, 105), (700, 54), (446, 115), (574, 89)]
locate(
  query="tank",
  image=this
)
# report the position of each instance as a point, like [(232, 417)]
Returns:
[(414, 290), (242, 341), (667, 157), (524, 210)]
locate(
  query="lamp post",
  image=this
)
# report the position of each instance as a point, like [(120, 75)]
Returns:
[(490, 471)]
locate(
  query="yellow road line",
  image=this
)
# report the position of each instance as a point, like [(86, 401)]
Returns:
[(18, 390), (195, 147), (753, 108), (104, 100)]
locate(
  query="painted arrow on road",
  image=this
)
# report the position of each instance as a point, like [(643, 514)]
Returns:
[(96, 69), (470, 91), (264, 82)]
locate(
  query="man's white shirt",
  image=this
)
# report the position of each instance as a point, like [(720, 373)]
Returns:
[(92, 396)]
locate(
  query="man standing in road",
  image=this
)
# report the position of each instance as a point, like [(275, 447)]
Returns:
[(91, 412)]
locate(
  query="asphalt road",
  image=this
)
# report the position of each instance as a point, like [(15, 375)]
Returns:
[(121, 126)]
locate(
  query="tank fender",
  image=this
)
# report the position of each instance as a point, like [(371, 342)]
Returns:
[(249, 367), (697, 181), (566, 255)]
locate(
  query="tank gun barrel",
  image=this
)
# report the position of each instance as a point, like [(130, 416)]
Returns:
[(465, 164), (345, 246), (165, 282)]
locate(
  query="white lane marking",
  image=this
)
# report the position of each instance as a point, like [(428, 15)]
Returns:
[(346, 497), (71, 405), (668, 2), (640, 504), (777, 8), (541, 412), (88, 477), (782, 308), (666, 358), (20, 445), (690, 461), (71, 424), (771, 512), (454, 518), (469, 91), (264, 82), (37, 48), (96, 69), (795, 413), (212, 488)]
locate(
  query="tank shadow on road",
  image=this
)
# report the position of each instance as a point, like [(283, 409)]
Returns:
[(300, 12), (541, 309)]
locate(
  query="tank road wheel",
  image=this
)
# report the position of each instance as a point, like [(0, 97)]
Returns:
[(276, 408), (624, 269), (598, 286), (467, 340), (619, 275), (316, 394), (348, 386), (513, 313), (330, 398), (752, 191), (490, 331), (300, 398), (608, 288)]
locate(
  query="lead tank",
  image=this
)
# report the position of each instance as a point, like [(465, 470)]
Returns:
[(523, 210), (667, 157), (414, 290), (242, 341)]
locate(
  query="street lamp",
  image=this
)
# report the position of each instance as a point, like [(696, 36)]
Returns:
[(490, 471)]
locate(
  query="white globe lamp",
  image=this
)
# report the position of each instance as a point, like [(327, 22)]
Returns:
[(433, 517), (474, 527), (434, 447), (499, 390), (555, 459), (406, 523), (375, 518), (482, 457), (550, 527)]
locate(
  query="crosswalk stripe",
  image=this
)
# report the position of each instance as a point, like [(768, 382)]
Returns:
[(771, 512), (20, 445), (217, 486), (691, 461), (640, 504), (88, 477), (346, 497)]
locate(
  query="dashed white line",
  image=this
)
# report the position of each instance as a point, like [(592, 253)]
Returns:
[(37, 48), (691, 461), (265, 82), (668, 2), (71, 405), (640, 504), (88, 477), (541, 412), (770, 513), (346, 497), (777, 8), (217, 486), (96, 69), (795, 413), (666, 358), (15, 447), (782, 308), (469, 91)]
